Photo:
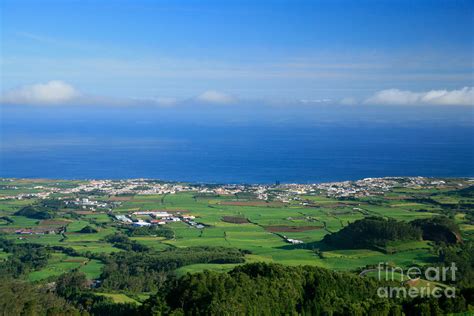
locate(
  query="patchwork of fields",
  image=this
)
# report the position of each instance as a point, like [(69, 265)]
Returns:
[(261, 228)]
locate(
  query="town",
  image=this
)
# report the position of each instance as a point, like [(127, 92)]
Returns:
[(280, 192)]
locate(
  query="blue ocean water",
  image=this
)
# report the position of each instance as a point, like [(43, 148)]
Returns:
[(80, 147)]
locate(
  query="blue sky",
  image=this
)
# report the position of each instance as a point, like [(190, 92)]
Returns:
[(169, 89), (170, 52)]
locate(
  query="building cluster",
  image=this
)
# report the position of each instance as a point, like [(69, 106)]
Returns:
[(345, 189), (129, 187), (150, 218), (25, 196), (40, 230), (279, 192), (86, 203), (374, 186)]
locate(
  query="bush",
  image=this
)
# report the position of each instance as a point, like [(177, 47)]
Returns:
[(88, 230)]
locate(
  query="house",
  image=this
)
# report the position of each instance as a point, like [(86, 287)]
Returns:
[(294, 241), (141, 223), (153, 213), (24, 232), (123, 218)]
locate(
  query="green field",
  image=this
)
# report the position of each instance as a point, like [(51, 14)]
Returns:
[(60, 264), (119, 298)]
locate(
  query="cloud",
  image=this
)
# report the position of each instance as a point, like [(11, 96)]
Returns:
[(58, 92), (464, 96), (348, 101), (215, 97), (50, 93), (166, 101), (159, 101), (315, 101)]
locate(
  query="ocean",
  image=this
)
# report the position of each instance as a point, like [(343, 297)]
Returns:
[(98, 145)]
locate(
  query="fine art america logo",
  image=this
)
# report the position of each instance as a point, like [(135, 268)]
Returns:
[(415, 282)]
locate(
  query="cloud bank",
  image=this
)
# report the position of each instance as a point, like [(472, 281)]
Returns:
[(464, 96), (50, 93), (215, 97), (58, 92)]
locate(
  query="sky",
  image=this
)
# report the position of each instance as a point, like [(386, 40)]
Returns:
[(226, 90), (168, 53)]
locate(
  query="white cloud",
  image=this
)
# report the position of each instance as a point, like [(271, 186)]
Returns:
[(159, 101), (315, 101), (215, 97), (348, 101), (464, 96), (57, 92), (52, 92), (166, 101)]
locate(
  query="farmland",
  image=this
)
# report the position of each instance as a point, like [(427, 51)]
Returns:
[(282, 224)]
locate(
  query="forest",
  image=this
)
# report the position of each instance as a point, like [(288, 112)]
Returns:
[(250, 289)]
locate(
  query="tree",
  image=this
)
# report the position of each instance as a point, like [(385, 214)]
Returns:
[(70, 285), (88, 230)]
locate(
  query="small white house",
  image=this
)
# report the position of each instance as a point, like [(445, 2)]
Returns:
[(141, 223), (294, 241)]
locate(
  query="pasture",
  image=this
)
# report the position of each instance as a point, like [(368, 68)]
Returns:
[(261, 228)]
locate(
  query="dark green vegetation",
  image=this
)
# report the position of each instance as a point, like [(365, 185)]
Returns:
[(260, 289), (43, 209), (83, 259), (463, 256), (23, 258), (439, 229), (151, 231), (122, 241), (146, 271), (88, 230), (373, 232), (34, 212), (378, 232), (252, 289), (23, 298)]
